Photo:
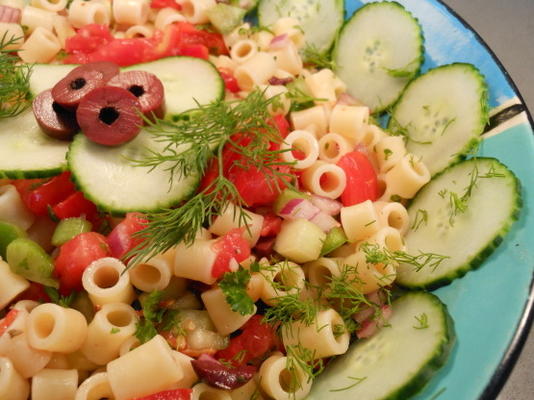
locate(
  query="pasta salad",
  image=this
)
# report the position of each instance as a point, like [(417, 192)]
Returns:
[(196, 207)]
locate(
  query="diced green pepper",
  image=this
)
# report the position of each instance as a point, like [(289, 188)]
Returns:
[(8, 233), (69, 228), (334, 239)]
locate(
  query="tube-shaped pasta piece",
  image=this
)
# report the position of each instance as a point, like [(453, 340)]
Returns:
[(20, 4), (325, 179), (14, 345), (263, 39), (167, 16), (63, 29), (195, 11), (110, 327), (388, 238), (241, 32), (304, 142), (42, 46), (360, 221), (189, 375), (12, 209), (55, 384), (288, 59), (154, 274), (243, 50), (12, 385), (78, 361), (55, 328), (321, 271), (230, 219), (393, 214), (33, 17), (95, 387), (370, 135), (105, 282), (255, 71), (50, 5), (11, 285), (368, 277), (291, 27), (389, 151), (83, 12), (406, 178), (25, 305), (130, 12), (128, 345), (223, 62), (195, 261), (282, 104), (139, 31), (280, 383), (147, 369), (314, 116), (12, 31), (58, 361), (322, 87), (332, 147), (224, 318), (201, 391), (255, 286), (348, 121), (249, 390), (280, 280), (326, 337)]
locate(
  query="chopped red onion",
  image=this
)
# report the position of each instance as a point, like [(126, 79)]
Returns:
[(326, 205), (9, 14), (299, 208), (324, 221), (279, 42)]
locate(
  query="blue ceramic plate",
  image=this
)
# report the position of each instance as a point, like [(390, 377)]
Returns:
[(492, 306)]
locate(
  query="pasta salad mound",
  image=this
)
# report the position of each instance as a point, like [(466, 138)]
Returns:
[(195, 207)]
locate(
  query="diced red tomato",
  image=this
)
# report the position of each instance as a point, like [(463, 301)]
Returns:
[(76, 205), (157, 4), (121, 239), (195, 50), (34, 292), (282, 124), (187, 34), (174, 394), (38, 195), (75, 256), (230, 82), (230, 246), (252, 344), (8, 320), (362, 181), (271, 225)]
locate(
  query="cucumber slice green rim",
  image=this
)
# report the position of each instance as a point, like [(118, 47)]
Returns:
[(378, 52), (396, 362), (467, 237)]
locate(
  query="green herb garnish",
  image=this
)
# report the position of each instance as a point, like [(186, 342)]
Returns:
[(234, 287)]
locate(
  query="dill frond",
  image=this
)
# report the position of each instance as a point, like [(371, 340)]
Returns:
[(315, 57)]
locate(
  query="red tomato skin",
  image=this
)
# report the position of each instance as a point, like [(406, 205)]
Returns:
[(35, 292), (230, 246), (175, 394), (39, 195), (158, 4), (75, 256), (230, 82), (76, 205), (362, 183), (282, 124), (272, 225), (255, 340), (8, 320), (195, 50), (88, 39), (121, 239)]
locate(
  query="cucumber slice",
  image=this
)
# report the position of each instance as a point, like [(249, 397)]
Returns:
[(397, 361), (27, 259), (187, 82), (319, 19), (68, 228), (109, 179), (8, 233), (468, 237), (45, 76), (379, 50), (26, 151), (442, 114), (225, 18), (334, 238)]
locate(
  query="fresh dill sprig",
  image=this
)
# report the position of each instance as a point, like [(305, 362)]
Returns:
[(421, 218), (290, 308), (303, 360), (422, 321), (356, 381), (15, 80), (379, 255), (312, 55), (201, 136)]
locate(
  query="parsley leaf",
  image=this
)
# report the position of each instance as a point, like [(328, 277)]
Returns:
[(153, 315), (234, 287), (63, 301)]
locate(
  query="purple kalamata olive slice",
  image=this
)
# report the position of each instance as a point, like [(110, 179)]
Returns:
[(146, 87), (69, 91), (54, 120), (108, 69), (110, 116), (215, 374)]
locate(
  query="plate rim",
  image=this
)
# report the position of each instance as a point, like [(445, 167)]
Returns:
[(524, 325)]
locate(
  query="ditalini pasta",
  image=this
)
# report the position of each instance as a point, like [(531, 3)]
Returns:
[(12, 385), (54, 384), (105, 282), (11, 285)]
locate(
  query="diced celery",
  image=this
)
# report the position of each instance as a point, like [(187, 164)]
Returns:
[(27, 259), (68, 228), (334, 239), (300, 240), (285, 197), (8, 233), (225, 18)]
